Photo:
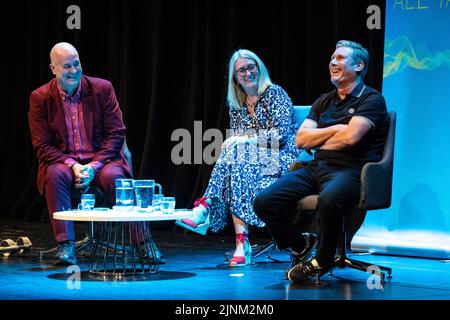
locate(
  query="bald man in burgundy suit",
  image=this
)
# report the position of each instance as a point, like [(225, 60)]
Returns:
[(77, 132)]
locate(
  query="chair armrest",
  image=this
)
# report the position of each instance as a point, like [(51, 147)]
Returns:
[(302, 160), (296, 165), (127, 154)]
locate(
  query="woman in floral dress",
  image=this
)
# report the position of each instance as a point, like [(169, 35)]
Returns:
[(260, 149)]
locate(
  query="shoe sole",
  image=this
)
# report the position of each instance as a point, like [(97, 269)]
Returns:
[(64, 263), (248, 261), (315, 274), (201, 228), (239, 265)]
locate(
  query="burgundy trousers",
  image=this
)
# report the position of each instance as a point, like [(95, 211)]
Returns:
[(59, 181)]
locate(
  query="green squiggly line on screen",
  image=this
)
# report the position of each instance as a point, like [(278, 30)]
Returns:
[(400, 54)]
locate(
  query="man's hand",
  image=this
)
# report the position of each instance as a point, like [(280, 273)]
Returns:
[(89, 170), (350, 135), (84, 174)]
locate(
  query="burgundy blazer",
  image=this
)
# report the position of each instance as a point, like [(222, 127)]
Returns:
[(102, 118)]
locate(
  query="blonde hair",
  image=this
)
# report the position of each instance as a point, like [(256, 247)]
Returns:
[(236, 95)]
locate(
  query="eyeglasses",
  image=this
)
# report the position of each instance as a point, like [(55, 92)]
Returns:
[(242, 71)]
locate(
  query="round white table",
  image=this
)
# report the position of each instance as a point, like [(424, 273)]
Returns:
[(122, 243)]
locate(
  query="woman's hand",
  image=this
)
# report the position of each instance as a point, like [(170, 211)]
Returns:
[(236, 140)]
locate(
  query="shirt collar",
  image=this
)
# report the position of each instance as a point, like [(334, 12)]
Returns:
[(64, 94), (358, 90)]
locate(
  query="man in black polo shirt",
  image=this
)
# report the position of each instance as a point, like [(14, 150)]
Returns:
[(347, 127)]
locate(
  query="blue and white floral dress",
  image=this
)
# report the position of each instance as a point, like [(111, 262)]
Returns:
[(244, 170)]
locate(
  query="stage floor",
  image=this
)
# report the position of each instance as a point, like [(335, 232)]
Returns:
[(195, 269)]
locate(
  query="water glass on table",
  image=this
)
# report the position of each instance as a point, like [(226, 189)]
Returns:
[(167, 205), (157, 198), (87, 202), (124, 194)]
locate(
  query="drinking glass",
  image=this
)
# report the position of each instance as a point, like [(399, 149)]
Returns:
[(157, 201), (87, 202), (167, 204), (124, 194)]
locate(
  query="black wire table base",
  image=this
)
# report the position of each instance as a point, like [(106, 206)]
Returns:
[(123, 248)]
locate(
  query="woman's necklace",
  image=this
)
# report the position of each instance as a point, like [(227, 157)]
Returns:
[(251, 110), (251, 104)]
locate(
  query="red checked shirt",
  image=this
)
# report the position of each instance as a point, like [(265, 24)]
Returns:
[(80, 148)]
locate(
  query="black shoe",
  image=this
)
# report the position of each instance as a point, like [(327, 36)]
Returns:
[(305, 271), (66, 253), (311, 244)]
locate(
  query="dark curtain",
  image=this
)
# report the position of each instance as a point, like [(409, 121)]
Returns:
[(168, 63)]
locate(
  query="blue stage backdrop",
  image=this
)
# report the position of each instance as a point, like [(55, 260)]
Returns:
[(416, 84)]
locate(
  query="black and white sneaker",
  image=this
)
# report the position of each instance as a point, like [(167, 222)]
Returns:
[(306, 271)]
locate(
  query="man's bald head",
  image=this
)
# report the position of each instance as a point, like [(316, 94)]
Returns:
[(66, 66), (62, 49)]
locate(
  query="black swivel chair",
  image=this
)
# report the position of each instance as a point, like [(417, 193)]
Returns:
[(376, 191), (100, 198)]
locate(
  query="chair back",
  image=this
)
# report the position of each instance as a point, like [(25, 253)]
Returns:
[(300, 113), (376, 177), (127, 155)]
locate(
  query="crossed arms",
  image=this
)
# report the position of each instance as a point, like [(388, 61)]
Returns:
[(336, 137)]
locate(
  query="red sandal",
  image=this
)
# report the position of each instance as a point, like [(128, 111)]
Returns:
[(202, 218), (241, 261)]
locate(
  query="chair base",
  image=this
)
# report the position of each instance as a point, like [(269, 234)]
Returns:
[(365, 267), (344, 261)]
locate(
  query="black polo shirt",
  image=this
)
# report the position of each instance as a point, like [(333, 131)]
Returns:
[(363, 101)]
